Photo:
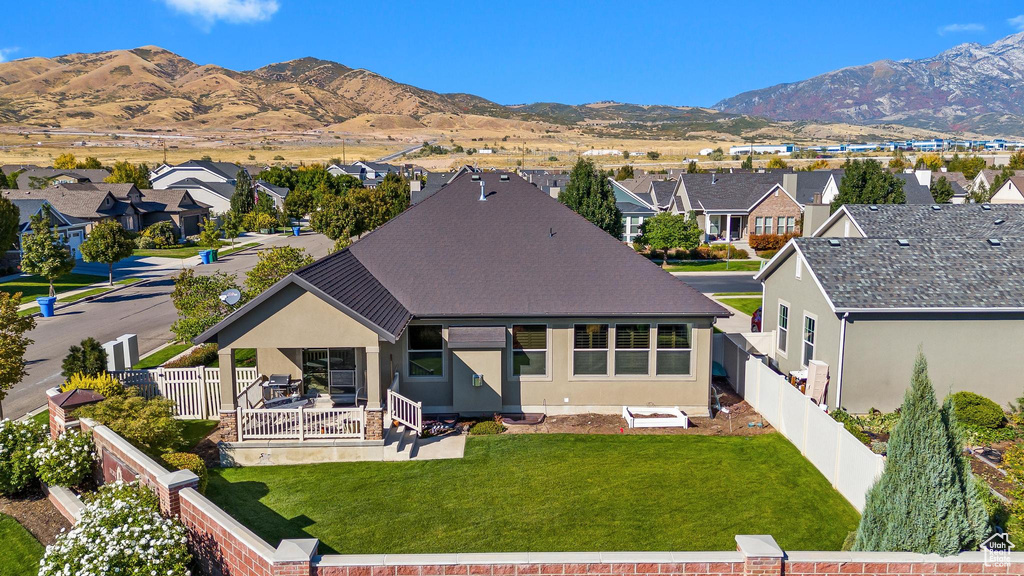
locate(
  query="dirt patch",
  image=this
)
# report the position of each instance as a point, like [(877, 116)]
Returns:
[(37, 515), (207, 447), (991, 476)]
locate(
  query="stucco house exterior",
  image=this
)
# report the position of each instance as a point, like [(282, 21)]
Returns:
[(523, 307), (864, 302), (732, 206), (1011, 192)]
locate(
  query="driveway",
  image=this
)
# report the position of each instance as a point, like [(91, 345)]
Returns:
[(145, 310), (718, 282)]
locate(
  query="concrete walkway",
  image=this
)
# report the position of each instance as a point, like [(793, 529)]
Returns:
[(738, 322)]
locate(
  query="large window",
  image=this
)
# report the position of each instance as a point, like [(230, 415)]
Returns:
[(768, 225), (426, 351), (790, 225), (783, 327), (590, 349), (632, 348), (809, 325), (673, 356), (759, 225), (529, 350)]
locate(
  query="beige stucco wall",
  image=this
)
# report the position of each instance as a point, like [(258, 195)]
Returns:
[(803, 297), (964, 352), (843, 227), (482, 399)]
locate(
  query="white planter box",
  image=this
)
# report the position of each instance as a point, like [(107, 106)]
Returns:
[(673, 417)]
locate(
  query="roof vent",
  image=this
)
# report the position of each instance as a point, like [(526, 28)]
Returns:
[(476, 177), (936, 207), (903, 242), (999, 221), (504, 178), (986, 206), (833, 242), (873, 208), (994, 242), (483, 196)]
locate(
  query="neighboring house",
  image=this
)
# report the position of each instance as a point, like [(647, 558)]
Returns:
[(166, 175), (987, 177), (551, 183), (216, 195), (635, 198), (45, 177), (376, 170), (1011, 192), (917, 186), (276, 193), (865, 306), (950, 221), (524, 306), (420, 190), (961, 185), (347, 170), (821, 186), (134, 209), (732, 206), (70, 229)]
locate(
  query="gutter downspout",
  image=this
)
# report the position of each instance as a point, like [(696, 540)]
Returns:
[(842, 353)]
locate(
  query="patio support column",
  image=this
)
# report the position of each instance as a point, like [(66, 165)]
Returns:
[(227, 380), (373, 378)]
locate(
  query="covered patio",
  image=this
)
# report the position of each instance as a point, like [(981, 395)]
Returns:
[(725, 226)]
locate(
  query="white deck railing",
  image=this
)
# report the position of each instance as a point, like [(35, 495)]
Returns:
[(404, 410), (194, 391), (301, 424)]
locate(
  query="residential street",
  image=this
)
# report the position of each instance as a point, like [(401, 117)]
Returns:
[(718, 282), (145, 310)]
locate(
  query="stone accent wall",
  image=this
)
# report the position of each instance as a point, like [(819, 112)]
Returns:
[(228, 427), (374, 424), (775, 206)]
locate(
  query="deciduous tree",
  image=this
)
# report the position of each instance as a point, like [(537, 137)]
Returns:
[(590, 195), (624, 173), (88, 358), (10, 216), (665, 231), (777, 163), (13, 343), (65, 161), (127, 173), (43, 252), (243, 201), (108, 243), (926, 500), (1017, 160), (197, 299), (274, 264), (866, 182)]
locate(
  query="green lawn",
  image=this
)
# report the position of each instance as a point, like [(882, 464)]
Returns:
[(717, 266), (21, 552), (746, 305), (244, 357), (42, 418), (549, 492), (160, 356), (736, 294), (32, 287), (195, 430)]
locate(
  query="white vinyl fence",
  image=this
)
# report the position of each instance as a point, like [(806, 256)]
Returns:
[(850, 466), (195, 391), (301, 424)]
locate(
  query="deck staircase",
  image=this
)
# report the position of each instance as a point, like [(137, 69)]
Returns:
[(400, 443)]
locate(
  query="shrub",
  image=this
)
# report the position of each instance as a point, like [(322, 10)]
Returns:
[(88, 358), (769, 241), (66, 461), (18, 442), (121, 532), (189, 461), (486, 427), (162, 233), (103, 384), (767, 254), (975, 410), (145, 243), (148, 424), (254, 221), (202, 355), (1013, 464)]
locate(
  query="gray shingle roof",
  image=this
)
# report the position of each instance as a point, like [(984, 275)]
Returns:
[(279, 191), (736, 191), (435, 181), (810, 183), (951, 221), (632, 208), (874, 273), (223, 189), (663, 191), (916, 192), (228, 170), (83, 174)]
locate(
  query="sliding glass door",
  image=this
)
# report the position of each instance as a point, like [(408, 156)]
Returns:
[(330, 371)]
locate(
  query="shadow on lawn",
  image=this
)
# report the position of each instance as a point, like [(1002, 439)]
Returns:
[(242, 501)]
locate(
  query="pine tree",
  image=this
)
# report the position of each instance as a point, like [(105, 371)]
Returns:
[(243, 201), (44, 252), (926, 500), (590, 195)]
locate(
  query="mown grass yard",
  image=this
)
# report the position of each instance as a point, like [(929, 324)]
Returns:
[(745, 305), (549, 492), (32, 287), (21, 552), (716, 266)]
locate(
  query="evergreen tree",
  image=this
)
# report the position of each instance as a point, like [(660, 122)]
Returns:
[(43, 252), (942, 191), (625, 172), (10, 216), (243, 200), (926, 500), (748, 163), (87, 358), (590, 195), (866, 182)]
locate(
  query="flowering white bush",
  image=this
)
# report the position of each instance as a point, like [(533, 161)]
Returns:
[(18, 441), (121, 533), (66, 461)]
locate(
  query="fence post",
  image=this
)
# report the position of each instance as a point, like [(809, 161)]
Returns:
[(239, 422), (302, 423), (202, 392)]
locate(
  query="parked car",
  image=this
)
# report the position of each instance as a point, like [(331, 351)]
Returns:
[(755, 321)]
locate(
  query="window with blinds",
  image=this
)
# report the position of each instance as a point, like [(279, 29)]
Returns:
[(529, 350), (674, 349), (590, 349), (426, 351), (632, 348)]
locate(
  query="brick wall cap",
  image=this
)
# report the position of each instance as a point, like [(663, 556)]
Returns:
[(525, 558), (67, 499), (494, 558), (155, 470), (636, 557), (296, 550), (353, 559), (565, 557), (50, 392), (177, 479), (759, 546), (897, 557)]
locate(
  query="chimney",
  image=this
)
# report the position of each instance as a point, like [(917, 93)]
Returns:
[(483, 196), (415, 185), (789, 183)]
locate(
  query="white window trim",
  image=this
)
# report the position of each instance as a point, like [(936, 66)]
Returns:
[(444, 355), (547, 355), (803, 330), (758, 225), (609, 357), (778, 328), (651, 334), (654, 346)]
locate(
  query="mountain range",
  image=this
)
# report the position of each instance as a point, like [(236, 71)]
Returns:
[(968, 88)]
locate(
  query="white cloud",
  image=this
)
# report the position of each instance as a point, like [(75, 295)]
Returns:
[(5, 52), (967, 27), (1017, 22), (234, 11)]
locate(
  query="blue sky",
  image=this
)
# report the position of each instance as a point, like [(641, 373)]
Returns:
[(685, 53)]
